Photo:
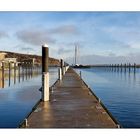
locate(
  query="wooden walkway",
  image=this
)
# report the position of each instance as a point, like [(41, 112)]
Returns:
[(71, 105)]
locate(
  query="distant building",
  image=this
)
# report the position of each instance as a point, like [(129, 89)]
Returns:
[(7, 60), (31, 60), (2, 56), (14, 60)]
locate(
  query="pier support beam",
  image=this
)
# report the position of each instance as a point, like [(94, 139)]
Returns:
[(45, 73)]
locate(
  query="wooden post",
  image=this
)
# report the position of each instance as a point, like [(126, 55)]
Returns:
[(23, 71), (14, 72), (118, 67), (31, 69), (112, 67), (61, 65), (26, 69), (115, 67), (121, 67), (125, 67), (134, 67), (129, 67), (19, 72), (45, 73), (3, 74), (28, 66), (9, 73)]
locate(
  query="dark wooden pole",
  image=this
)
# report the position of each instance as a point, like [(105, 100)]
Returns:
[(45, 73), (45, 60), (31, 65), (23, 65), (26, 69), (134, 67), (121, 67), (125, 67), (19, 73), (3, 74), (129, 67), (9, 73), (14, 72), (61, 65)]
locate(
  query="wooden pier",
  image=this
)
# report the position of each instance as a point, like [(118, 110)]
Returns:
[(71, 105)]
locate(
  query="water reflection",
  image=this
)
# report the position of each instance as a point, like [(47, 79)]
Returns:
[(15, 74), (17, 100)]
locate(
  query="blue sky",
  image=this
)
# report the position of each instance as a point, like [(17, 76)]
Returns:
[(102, 37)]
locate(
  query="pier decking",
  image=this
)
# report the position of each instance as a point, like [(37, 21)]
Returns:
[(71, 105)]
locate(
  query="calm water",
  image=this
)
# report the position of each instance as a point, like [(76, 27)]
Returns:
[(17, 100), (119, 91)]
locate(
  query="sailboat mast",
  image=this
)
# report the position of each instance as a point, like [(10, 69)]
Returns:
[(75, 54)]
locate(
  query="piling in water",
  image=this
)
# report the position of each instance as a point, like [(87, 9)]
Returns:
[(9, 72), (3, 74), (14, 73)]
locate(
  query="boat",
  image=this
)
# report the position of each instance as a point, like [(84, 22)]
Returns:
[(76, 59), (81, 66)]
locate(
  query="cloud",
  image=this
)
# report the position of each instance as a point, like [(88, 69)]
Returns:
[(35, 37), (65, 30), (3, 34), (39, 36), (64, 51)]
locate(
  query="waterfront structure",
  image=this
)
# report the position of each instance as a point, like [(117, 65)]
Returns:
[(2, 56), (30, 60), (72, 105)]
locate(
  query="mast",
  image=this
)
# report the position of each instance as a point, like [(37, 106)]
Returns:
[(76, 54)]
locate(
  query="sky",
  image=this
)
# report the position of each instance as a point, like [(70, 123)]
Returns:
[(101, 37)]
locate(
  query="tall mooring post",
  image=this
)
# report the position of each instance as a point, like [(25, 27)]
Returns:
[(62, 65), (45, 73)]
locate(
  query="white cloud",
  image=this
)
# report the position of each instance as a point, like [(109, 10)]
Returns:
[(34, 37), (65, 30), (64, 51)]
